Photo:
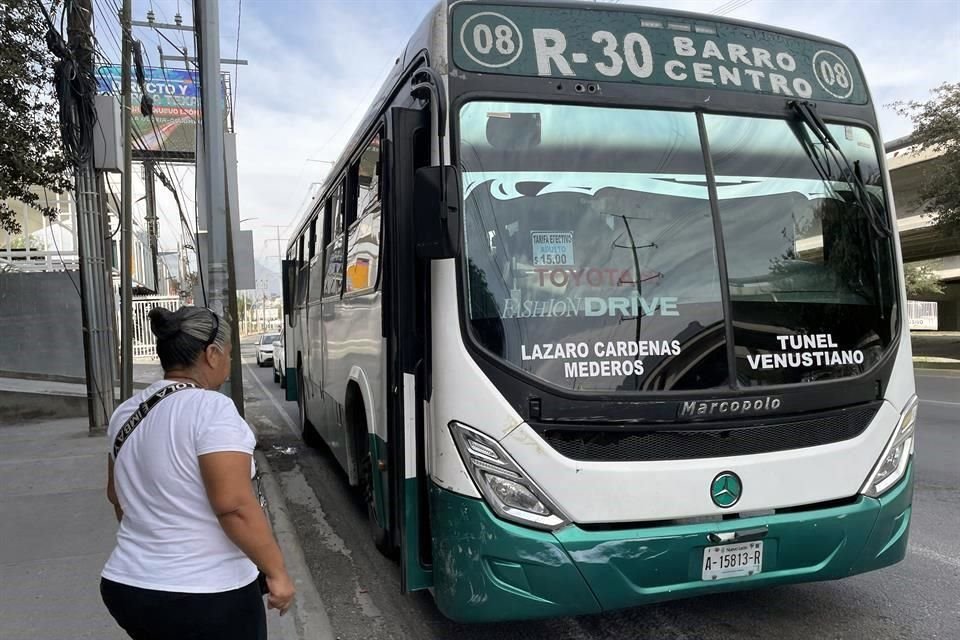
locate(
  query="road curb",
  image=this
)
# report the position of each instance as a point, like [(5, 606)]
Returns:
[(936, 366), (307, 618), (21, 406)]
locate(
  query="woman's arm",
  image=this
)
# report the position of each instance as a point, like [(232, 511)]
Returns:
[(112, 490), (226, 476)]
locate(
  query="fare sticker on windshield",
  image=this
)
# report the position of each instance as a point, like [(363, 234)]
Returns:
[(552, 248), (805, 352), (646, 47)]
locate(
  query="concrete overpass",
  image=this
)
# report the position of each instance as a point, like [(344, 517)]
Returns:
[(920, 242)]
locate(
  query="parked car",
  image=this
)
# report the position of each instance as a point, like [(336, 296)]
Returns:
[(265, 348), (279, 364)]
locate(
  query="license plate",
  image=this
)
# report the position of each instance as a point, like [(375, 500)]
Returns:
[(732, 560)]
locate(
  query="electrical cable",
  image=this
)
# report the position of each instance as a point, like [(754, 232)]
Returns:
[(166, 182), (141, 142), (96, 386), (730, 7), (159, 141), (74, 88), (142, 145)]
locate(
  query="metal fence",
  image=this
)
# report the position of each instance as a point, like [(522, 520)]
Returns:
[(144, 342)]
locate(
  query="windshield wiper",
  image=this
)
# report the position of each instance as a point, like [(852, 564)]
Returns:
[(878, 220), (851, 172)]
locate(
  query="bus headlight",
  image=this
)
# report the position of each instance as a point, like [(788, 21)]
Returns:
[(506, 487), (893, 463)]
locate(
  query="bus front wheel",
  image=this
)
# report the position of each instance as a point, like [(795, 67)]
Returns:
[(381, 537)]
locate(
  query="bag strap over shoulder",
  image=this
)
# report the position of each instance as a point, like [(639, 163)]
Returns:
[(134, 421)]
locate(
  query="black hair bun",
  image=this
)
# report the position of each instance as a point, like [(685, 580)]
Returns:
[(164, 323)]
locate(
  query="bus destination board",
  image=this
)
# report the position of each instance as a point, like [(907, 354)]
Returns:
[(650, 48)]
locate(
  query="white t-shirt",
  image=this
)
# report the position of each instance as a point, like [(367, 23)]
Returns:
[(169, 538)]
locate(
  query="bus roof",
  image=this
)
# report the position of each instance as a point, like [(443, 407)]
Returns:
[(431, 37)]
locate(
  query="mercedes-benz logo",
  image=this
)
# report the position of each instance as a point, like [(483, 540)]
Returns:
[(726, 489)]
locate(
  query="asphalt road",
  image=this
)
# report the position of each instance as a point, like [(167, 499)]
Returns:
[(916, 599)]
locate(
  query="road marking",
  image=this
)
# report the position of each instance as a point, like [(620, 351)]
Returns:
[(936, 556), (953, 404), (283, 414)]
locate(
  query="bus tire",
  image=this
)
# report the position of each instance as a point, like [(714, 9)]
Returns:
[(380, 536), (307, 431)]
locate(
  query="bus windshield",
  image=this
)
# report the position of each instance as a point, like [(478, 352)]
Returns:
[(598, 255)]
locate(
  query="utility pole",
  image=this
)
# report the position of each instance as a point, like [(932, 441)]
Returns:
[(220, 280), (151, 189), (111, 300), (94, 269), (236, 366), (279, 241), (263, 306), (214, 165), (126, 222), (221, 292)]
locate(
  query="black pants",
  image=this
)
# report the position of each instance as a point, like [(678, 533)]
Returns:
[(146, 614)]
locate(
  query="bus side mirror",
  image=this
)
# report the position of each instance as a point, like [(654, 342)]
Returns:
[(436, 223)]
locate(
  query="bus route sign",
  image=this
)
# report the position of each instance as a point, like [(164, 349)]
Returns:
[(650, 48)]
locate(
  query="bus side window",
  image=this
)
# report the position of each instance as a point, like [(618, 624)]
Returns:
[(302, 276), (363, 243), (316, 265), (333, 273), (312, 249)]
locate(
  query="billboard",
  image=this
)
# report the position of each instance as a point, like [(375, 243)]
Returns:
[(176, 109)]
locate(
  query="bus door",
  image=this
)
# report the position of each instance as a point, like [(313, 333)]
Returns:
[(289, 268), (405, 326)]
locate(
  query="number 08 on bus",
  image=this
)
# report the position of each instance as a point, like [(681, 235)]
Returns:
[(602, 306)]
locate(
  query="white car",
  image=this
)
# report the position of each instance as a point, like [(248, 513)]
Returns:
[(265, 348), (279, 364)]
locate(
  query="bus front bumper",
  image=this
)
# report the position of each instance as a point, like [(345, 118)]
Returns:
[(486, 569)]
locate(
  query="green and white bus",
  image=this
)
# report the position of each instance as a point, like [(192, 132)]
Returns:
[(602, 306)]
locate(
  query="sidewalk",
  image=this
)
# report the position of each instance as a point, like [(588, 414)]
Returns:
[(57, 530)]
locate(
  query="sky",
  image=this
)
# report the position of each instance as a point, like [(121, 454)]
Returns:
[(315, 65)]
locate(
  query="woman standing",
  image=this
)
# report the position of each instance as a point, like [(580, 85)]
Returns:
[(192, 534)]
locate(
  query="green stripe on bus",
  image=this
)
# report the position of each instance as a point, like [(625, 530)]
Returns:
[(496, 570), (291, 384)]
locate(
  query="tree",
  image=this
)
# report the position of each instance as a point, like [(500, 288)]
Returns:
[(936, 125), (31, 152), (242, 307), (920, 281)]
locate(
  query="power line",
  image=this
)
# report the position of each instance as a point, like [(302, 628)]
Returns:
[(142, 145), (141, 142), (378, 80), (729, 7)]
